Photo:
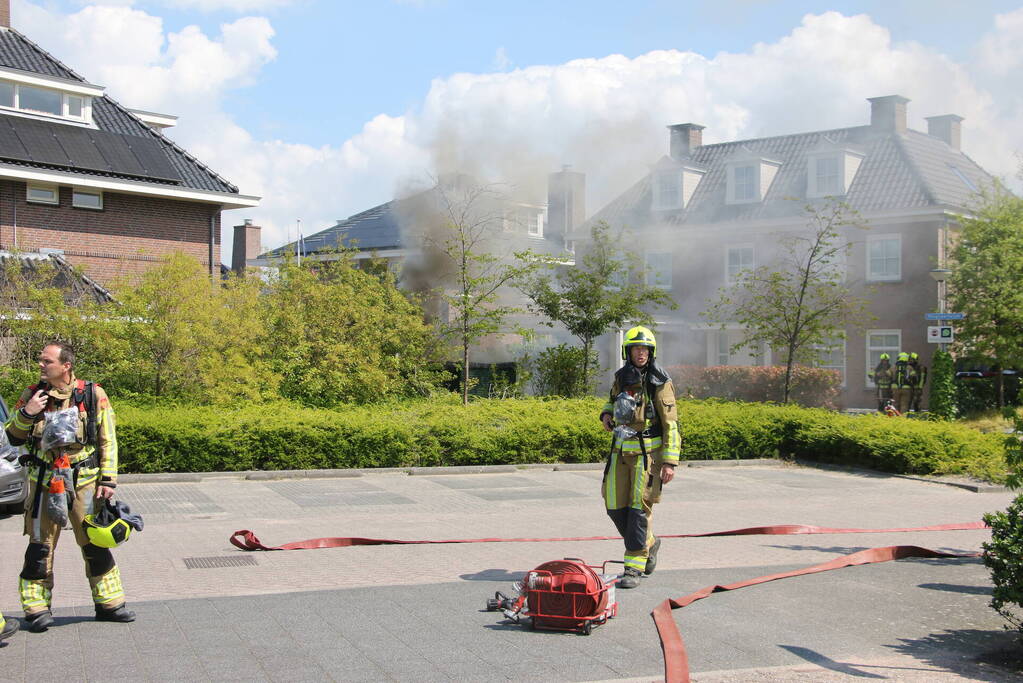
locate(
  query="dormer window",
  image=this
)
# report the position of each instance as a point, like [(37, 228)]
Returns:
[(830, 170), (745, 183), (749, 178), (673, 184), (40, 95), (668, 189)]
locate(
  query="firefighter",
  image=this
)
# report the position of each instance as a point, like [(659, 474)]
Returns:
[(905, 380), (921, 380), (88, 451), (882, 376), (644, 453), (7, 628)]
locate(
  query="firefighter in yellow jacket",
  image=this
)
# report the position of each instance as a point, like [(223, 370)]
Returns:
[(68, 426), (644, 453)]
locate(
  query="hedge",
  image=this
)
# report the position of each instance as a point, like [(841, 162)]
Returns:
[(816, 387), (531, 430)]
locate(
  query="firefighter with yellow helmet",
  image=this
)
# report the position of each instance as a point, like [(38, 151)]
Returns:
[(644, 453), (68, 425)]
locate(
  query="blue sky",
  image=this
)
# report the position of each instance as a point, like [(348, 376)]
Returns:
[(329, 107), (379, 56)]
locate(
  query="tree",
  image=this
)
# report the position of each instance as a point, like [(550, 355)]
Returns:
[(336, 334), (986, 282), (603, 291), (476, 266), (799, 303), (186, 337)]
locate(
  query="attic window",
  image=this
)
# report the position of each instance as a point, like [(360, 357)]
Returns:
[(749, 178), (828, 175), (34, 100), (830, 170)]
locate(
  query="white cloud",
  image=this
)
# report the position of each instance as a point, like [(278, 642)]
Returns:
[(240, 6), (606, 116)]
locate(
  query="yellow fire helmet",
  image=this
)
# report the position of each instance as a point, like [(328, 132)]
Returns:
[(112, 525), (903, 357), (639, 336)]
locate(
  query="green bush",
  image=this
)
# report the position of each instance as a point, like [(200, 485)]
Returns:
[(1003, 555), (529, 430), (13, 381), (943, 389)]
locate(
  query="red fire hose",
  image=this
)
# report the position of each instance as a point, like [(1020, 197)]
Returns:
[(676, 661)]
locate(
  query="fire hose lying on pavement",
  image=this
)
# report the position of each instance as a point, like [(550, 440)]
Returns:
[(598, 601)]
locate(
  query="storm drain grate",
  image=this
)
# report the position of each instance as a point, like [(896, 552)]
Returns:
[(219, 562)]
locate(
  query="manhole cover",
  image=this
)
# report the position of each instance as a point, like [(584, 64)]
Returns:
[(219, 562)]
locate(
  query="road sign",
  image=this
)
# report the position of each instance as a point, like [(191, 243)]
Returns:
[(940, 334), (944, 316)]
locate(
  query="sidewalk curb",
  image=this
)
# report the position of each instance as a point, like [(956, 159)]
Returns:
[(972, 486)]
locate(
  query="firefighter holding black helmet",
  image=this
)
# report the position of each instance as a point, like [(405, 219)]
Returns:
[(68, 425), (644, 453), (883, 375)]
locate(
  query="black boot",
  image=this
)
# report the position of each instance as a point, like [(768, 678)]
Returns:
[(40, 621), (629, 578), (10, 628), (651, 558), (120, 614)]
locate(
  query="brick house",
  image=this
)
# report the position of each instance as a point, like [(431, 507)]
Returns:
[(705, 213), (83, 176)]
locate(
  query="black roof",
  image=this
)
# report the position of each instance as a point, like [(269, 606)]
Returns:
[(76, 286), (123, 146)]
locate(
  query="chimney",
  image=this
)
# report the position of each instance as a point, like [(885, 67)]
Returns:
[(246, 245), (888, 113), (566, 201), (948, 128), (5, 13), (686, 138)]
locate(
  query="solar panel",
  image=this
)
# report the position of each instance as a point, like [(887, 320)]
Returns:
[(81, 149), (10, 145), (39, 141), (151, 155), (116, 151)]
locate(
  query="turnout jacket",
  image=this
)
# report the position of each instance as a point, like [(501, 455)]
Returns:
[(652, 387), (20, 428)]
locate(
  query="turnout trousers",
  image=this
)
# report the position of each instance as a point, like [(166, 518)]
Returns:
[(632, 484), (36, 581)]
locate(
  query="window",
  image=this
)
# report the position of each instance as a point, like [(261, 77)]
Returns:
[(745, 184), (37, 99), (827, 176), (831, 356), (878, 342), (44, 101), (42, 194), (534, 223), (738, 259), (87, 200), (75, 106), (962, 177), (884, 257), (658, 269), (668, 190), (724, 348)]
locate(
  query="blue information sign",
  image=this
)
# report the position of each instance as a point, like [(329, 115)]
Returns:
[(944, 316)]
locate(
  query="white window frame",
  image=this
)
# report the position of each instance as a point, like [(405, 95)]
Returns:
[(733, 189), (657, 278), (831, 348), (42, 186), (873, 239), (674, 175), (729, 279), (534, 225), (839, 188), (892, 351), (65, 108), (722, 336), (93, 193)]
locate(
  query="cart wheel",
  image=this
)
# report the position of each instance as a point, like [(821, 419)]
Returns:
[(587, 628)]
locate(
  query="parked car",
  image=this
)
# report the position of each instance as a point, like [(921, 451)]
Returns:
[(13, 479)]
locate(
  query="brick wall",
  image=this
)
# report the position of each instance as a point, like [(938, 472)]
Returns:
[(128, 236)]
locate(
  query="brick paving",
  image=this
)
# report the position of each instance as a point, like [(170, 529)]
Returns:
[(413, 612)]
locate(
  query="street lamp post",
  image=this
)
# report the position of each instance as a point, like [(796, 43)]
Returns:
[(940, 275)]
